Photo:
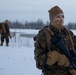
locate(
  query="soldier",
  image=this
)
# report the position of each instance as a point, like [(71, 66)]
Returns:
[(5, 33), (49, 58)]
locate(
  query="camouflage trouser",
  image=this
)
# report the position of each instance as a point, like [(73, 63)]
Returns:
[(55, 72), (4, 37)]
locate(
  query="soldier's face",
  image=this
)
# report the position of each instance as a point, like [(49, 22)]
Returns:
[(58, 21)]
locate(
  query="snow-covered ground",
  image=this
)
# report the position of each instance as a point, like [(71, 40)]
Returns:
[(18, 58), (17, 61)]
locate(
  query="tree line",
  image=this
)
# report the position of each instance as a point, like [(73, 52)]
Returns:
[(35, 25)]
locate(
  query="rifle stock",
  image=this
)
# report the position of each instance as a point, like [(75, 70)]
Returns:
[(59, 43)]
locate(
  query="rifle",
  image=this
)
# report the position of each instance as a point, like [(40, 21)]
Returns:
[(71, 55)]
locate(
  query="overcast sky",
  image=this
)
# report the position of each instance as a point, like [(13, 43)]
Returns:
[(32, 10)]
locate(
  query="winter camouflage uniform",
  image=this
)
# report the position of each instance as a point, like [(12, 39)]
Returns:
[(5, 33), (49, 58), (42, 48)]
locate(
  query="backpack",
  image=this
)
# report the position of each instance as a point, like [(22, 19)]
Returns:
[(0, 27), (3, 28), (40, 31)]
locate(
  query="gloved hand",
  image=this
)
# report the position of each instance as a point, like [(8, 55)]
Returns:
[(54, 57), (73, 72), (63, 61)]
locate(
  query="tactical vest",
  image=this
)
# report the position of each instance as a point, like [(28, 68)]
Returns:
[(68, 39), (49, 33)]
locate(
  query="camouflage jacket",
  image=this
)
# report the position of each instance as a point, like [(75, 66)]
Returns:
[(5, 29), (42, 48)]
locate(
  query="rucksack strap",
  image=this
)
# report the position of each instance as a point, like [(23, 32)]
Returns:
[(49, 33)]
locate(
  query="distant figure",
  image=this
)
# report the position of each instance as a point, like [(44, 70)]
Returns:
[(5, 33)]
